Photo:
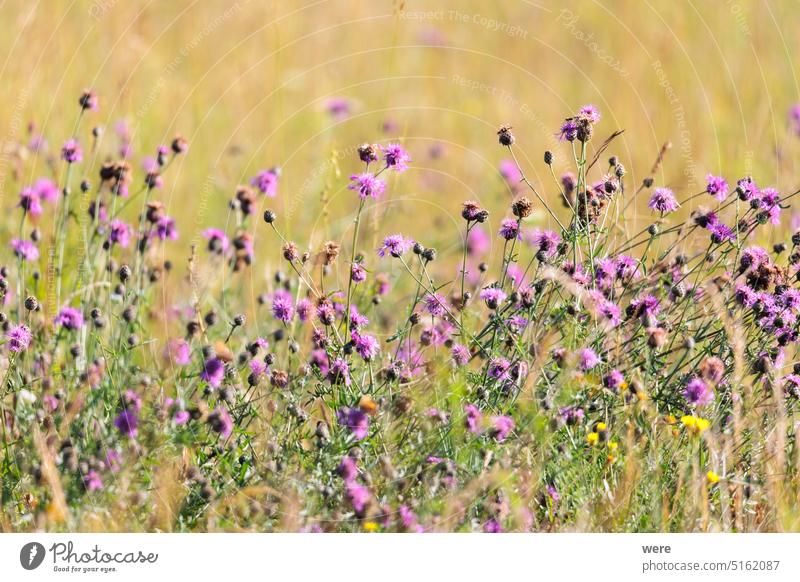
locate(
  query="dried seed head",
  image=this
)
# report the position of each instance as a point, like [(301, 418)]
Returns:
[(522, 208), (504, 135), (331, 252), (290, 252), (270, 216)]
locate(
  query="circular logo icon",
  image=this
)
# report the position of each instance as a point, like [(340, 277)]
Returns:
[(31, 555)]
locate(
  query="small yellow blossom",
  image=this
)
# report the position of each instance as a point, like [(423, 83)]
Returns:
[(712, 477), (592, 438), (612, 445), (370, 526), (670, 419), (601, 426), (695, 424)]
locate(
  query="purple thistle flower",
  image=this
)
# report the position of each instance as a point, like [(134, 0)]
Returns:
[(366, 346), (546, 240), (626, 267), (460, 354), (492, 526), (46, 189), (29, 202), (355, 420), (357, 321), (473, 418), (120, 233), (721, 232), (213, 371), (590, 113), (395, 245), (587, 359), (71, 152), (367, 185), (267, 182), (509, 229), (220, 421), (698, 393), (501, 427), (611, 313), (339, 372), (409, 520), (303, 309), (569, 130), (498, 369), (571, 415), (92, 481), (69, 318), (179, 351), (165, 228), (127, 423), (358, 496), (282, 306), (493, 296), (478, 242), (217, 241), (435, 304), (663, 200), (19, 338), (25, 250), (613, 380), (395, 157), (358, 274), (717, 187), (347, 469)]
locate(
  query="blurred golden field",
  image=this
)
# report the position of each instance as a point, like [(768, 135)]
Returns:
[(247, 83)]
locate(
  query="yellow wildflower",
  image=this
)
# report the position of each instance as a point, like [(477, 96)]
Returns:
[(712, 477), (370, 526), (695, 424), (592, 438)]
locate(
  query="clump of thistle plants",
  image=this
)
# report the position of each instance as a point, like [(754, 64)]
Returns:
[(592, 378)]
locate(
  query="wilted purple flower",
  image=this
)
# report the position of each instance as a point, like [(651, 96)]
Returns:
[(395, 157), (217, 241), (717, 187), (501, 427), (473, 418), (19, 338), (355, 420), (587, 359), (366, 346), (663, 200), (71, 152), (25, 249), (267, 182), (395, 245), (367, 185), (509, 229), (69, 318), (698, 393), (460, 354), (435, 304), (220, 421), (127, 423), (120, 233), (282, 306), (29, 202), (213, 371), (358, 274)]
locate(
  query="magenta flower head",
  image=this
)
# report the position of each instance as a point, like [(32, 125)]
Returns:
[(92, 481), (127, 423), (339, 372), (460, 354), (19, 338), (435, 304), (473, 418), (25, 250), (46, 189), (698, 393), (347, 469), (69, 318), (30, 202), (498, 369), (213, 371), (218, 243), (120, 233), (509, 229), (546, 240), (358, 274), (395, 157), (493, 296), (395, 245), (358, 496), (501, 427), (569, 130), (613, 380), (179, 351), (717, 187), (71, 152), (355, 420), (587, 359), (165, 228), (220, 421), (366, 346), (282, 306), (663, 200), (267, 182), (590, 113), (367, 185)]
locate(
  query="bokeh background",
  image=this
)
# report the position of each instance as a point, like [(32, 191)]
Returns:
[(254, 84)]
